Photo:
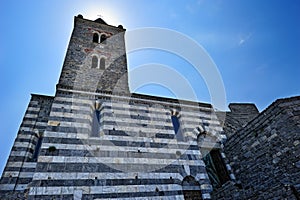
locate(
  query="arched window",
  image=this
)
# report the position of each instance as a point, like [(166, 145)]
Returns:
[(94, 62), (103, 39), (175, 122), (102, 63), (95, 123), (191, 189), (96, 119), (176, 125), (96, 37)]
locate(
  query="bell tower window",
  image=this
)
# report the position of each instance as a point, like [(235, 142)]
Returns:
[(102, 63), (96, 38), (94, 62), (103, 39)]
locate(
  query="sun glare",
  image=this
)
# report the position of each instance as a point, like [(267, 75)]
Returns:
[(109, 15)]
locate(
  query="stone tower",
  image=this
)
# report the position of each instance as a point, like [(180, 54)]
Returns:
[(94, 139), (96, 59)]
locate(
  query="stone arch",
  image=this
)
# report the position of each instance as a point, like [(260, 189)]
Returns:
[(191, 188), (175, 112)]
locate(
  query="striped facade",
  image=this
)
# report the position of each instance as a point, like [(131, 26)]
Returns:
[(102, 142), (21, 163)]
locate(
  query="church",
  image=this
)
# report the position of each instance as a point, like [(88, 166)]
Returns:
[(94, 139)]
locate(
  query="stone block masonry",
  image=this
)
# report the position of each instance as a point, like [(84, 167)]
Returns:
[(264, 154), (77, 72), (135, 154)]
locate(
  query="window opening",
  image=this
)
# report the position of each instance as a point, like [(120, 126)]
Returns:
[(37, 148), (215, 167), (94, 62), (102, 63), (95, 37), (103, 39), (96, 121), (176, 126)]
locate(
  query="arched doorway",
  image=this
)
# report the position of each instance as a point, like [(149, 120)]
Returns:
[(191, 189)]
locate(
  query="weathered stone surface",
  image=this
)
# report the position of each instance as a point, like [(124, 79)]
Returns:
[(240, 114), (77, 72), (266, 155)]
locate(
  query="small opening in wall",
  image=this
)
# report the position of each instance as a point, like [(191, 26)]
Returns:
[(96, 178), (139, 151), (114, 129), (239, 185), (156, 189), (178, 153), (49, 177), (136, 177), (52, 149), (171, 177)]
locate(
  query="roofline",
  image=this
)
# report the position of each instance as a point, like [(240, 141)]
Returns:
[(115, 27), (261, 117), (171, 100)]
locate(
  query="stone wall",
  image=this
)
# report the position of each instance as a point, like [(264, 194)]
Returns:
[(135, 154), (21, 163), (240, 114), (264, 154)]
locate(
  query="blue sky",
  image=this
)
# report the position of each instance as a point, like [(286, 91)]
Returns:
[(255, 45)]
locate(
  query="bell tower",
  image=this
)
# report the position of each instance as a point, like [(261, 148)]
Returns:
[(96, 58)]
